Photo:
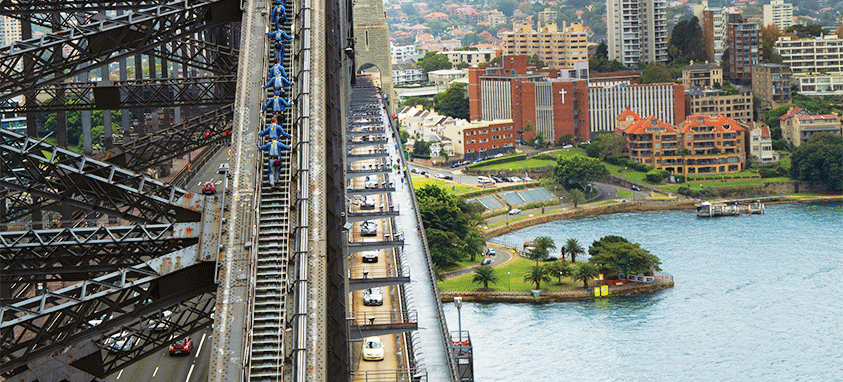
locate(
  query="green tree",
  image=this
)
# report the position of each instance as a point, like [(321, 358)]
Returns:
[(655, 73), (484, 274), (506, 7), (536, 275), (404, 135), (565, 139), (627, 258), (462, 65), (687, 39), (471, 39), (421, 148), (426, 103), (611, 144), (558, 269), (803, 31), (602, 51), (444, 246), (537, 254), (535, 60), (769, 35), (453, 102), (819, 160), (597, 245), (575, 196), (473, 244), (434, 61), (437, 272), (584, 272), (545, 243), (573, 248), (578, 170)]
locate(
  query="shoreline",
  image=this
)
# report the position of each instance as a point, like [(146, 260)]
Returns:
[(564, 296)]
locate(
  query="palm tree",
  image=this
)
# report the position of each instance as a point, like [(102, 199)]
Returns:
[(542, 246), (575, 196), (485, 274), (537, 275), (572, 246), (473, 243), (537, 253), (584, 272), (440, 276)]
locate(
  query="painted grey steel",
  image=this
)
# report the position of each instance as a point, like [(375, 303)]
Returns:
[(376, 153), (371, 282), (368, 191), (355, 217), (371, 142), (32, 167), (362, 246)]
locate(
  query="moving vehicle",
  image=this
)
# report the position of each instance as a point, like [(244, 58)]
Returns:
[(209, 189), (160, 323), (223, 168), (514, 211), (372, 349), (370, 256), (497, 180), (485, 180), (182, 346), (486, 261), (372, 183), (369, 228), (120, 342), (368, 204), (490, 252), (636, 188), (455, 165), (373, 297), (447, 177)]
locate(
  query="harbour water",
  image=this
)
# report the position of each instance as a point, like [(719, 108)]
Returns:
[(757, 298)]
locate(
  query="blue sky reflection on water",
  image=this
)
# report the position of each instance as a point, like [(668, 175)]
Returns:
[(756, 298)]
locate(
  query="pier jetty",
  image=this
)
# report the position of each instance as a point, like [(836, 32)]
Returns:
[(728, 208)]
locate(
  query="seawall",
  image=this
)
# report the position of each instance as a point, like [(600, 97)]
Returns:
[(570, 295)]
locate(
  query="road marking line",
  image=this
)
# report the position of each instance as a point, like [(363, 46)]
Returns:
[(189, 373), (200, 345), (120, 373), (155, 372)]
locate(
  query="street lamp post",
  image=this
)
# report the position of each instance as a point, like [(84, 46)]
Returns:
[(458, 304), (509, 281)]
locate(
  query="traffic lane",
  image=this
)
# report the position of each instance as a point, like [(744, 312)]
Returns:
[(210, 172), (502, 256), (160, 366)]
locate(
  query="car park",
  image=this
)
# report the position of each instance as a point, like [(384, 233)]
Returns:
[(486, 262), (514, 211), (370, 256), (120, 342), (223, 168), (373, 297), (369, 228), (636, 188), (455, 165), (182, 346), (372, 349), (209, 189)]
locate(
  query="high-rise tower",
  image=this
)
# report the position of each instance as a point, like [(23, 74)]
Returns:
[(637, 31)]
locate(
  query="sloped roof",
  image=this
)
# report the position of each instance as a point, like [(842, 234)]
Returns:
[(810, 117), (640, 126), (719, 123), (790, 113), (627, 113)]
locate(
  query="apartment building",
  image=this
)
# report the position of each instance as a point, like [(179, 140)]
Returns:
[(738, 107), (478, 139), (715, 24), (537, 102), (778, 13), (556, 48), (407, 73), (798, 125), (494, 17), (760, 143), (704, 75), (444, 77), (403, 52), (470, 57), (9, 30), (771, 83), (820, 54), (637, 31), (699, 145), (818, 84), (548, 15), (744, 47), (664, 101)]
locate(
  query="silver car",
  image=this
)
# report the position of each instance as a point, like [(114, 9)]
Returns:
[(373, 297), (369, 228)]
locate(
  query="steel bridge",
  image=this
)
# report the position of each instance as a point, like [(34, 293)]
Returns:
[(108, 255)]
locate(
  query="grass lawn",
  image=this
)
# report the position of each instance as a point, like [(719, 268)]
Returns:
[(519, 165), (742, 174), (624, 194), (639, 177), (462, 264), (515, 219), (455, 188), (697, 185), (516, 268), (610, 201)]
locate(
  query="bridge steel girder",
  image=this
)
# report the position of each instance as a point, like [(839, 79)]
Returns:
[(91, 185), (127, 301), (128, 94), (177, 140), (58, 56), (19, 7), (34, 256)]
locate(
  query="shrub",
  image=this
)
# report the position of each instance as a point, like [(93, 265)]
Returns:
[(679, 178), (544, 156), (654, 176), (640, 167), (767, 172), (500, 160), (665, 173), (612, 159)]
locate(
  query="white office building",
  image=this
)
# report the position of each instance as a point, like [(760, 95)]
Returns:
[(637, 31)]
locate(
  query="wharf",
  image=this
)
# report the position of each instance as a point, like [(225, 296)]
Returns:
[(728, 208)]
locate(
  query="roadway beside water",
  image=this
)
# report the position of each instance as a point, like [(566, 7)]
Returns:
[(756, 299)]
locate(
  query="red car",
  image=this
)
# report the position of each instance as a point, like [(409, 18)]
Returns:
[(209, 189), (182, 346)]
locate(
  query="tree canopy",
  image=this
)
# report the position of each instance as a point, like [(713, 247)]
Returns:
[(484, 274), (655, 73), (421, 149), (687, 38), (453, 102), (819, 160), (616, 253), (803, 31), (578, 170), (600, 62), (448, 221), (434, 61)]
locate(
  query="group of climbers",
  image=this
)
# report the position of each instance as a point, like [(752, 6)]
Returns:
[(276, 104)]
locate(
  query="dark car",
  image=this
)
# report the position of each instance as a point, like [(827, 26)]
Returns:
[(448, 177), (182, 346), (455, 165), (486, 262), (636, 188), (497, 180), (414, 171)]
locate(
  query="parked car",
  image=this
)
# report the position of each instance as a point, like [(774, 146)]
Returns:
[(514, 211), (414, 171), (223, 168), (498, 156), (439, 176), (483, 179), (497, 180), (528, 179), (447, 177), (568, 147), (369, 228), (372, 349), (455, 165), (486, 261), (209, 188), (373, 297), (120, 342), (370, 256), (515, 179), (368, 204), (182, 346), (490, 252), (551, 258), (636, 188)]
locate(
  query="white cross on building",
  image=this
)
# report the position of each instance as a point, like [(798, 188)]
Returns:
[(563, 92)]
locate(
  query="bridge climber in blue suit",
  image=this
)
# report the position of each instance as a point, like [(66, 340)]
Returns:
[(279, 14), (274, 148), (278, 103), (275, 131), (278, 69), (278, 83), (280, 36)]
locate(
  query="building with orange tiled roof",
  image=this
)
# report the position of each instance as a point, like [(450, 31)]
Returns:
[(799, 126), (699, 145), (436, 16)]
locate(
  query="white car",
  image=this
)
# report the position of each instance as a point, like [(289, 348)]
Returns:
[(372, 349), (160, 323), (528, 179), (369, 228), (373, 297), (120, 342), (515, 179), (370, 256), (223, 168), (514, 211), (483, 180)]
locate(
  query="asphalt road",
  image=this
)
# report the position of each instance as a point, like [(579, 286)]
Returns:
[(163, 367), (501, 257)]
